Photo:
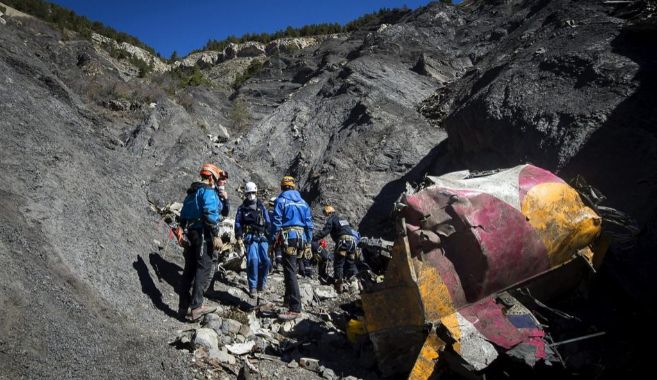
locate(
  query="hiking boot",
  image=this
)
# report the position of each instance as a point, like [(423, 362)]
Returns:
[(338, 286), (253, 293), (201, 311), (289, 315)]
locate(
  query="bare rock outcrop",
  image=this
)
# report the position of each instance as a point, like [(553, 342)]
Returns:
[(133, 51)]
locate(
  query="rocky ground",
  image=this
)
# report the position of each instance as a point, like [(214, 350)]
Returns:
[(90, 152), (244, 335)]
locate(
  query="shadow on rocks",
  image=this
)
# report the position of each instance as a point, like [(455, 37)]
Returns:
[(225, 298), (170, 272), (377, 221), (149, 288), (334, 355)]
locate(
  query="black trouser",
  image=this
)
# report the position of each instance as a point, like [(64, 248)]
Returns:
[(323, 257), (292, 295), (305, 268), (278, 256), (344, 266), (213, 270), (322, 263), (198, 266)]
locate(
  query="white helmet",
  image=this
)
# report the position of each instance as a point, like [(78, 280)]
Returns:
[(250, 187)]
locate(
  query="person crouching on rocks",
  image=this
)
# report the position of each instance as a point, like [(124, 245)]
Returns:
[(251, 227), (321, 256), (200, 218)]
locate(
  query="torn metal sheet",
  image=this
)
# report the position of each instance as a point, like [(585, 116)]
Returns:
[(471, 345), (461, 242)]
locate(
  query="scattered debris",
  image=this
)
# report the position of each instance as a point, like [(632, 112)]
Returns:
[(241, 348)]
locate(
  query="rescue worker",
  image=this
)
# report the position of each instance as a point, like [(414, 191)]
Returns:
[(224, 203), (200, 218), (223, 195), (344, 254), (276, 250), (251, 227), (321, 256), (292, 221)]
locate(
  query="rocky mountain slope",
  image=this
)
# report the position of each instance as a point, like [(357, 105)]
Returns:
[(89, 148)]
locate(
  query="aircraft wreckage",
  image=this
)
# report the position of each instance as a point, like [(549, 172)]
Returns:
[(463, 242)]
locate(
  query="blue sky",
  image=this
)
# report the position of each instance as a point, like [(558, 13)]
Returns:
[(169, 25)]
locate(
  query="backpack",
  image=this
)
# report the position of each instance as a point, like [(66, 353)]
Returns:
[(356, 235), (254, 218), (191, 210)]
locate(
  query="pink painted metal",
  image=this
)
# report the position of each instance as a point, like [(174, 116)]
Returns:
[(531, 176), (510, 250), (490, 245)]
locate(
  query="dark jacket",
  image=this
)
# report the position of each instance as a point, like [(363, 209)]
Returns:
[(226, 206), (336, 226), (251, 217)]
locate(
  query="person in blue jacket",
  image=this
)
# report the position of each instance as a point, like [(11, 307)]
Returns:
[(251, 229), (292, 223), (224, 203), (200, 217)]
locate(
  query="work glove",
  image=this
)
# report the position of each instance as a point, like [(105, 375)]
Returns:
[(240, 246), (307, 252), (217, 243), (180, 237)]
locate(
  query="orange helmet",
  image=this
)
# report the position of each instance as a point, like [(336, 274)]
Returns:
[(288, 181), (328, 209), (208, 170)]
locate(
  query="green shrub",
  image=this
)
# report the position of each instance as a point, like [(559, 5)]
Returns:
[(174, 57), (190, 77), (254, 67), (240, 114), (3, 9), (384, 15), (143, 67)]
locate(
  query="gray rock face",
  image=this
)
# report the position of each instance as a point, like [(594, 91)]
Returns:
[(206, 338), (310, 364), (221, 356), (565, 88), (325, 292), (202, 59), (133, 51), (306, 291), (231, 326)]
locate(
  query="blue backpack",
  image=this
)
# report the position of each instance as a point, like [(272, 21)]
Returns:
[(356, 235), (191, 210)]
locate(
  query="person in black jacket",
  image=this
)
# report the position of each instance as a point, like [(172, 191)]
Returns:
[(344, 264), (223, 197)]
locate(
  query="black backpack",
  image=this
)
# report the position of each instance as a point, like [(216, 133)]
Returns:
[(254, 219)]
